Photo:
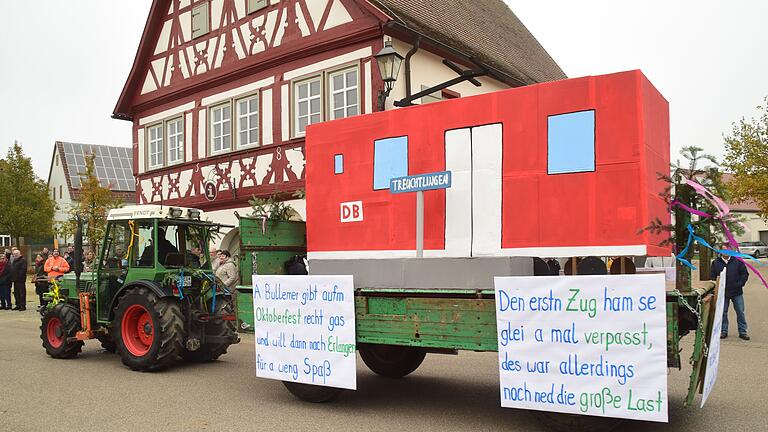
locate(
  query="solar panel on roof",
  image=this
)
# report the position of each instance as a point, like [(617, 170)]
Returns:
[(113, 165)]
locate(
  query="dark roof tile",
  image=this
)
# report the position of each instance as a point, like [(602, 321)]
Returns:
[(484, 29)]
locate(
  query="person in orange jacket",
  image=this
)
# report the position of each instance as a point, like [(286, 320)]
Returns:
[(55, 265)]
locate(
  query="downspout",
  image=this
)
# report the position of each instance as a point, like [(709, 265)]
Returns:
[(408, 66)]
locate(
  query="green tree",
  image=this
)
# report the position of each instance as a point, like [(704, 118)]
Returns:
[(704, 169), (26, 208), (746, 156), (92, 205)]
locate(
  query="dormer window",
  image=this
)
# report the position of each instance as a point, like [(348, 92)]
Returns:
[(200, 20), (256, 5)]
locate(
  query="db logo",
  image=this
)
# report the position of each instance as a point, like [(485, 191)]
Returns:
[(352, 211)]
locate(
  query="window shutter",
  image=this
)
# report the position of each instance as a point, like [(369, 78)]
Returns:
[(255, 5), (200, 20)]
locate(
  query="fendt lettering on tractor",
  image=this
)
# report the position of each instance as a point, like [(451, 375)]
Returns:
[(153, 297)]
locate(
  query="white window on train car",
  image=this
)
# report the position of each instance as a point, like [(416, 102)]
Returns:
[(338, 164), (390, 160), (571, 142)]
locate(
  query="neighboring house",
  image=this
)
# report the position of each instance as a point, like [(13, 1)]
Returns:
[(114, 169), (749, 213), (221, 91)]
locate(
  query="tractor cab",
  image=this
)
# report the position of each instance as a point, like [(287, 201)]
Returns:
[(153, 243)]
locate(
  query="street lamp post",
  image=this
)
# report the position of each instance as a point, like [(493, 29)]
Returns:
[(389, 62)]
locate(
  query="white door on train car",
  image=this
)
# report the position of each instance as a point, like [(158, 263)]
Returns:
[(473, 203)]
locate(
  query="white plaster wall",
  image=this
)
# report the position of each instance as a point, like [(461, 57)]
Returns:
[(427, 69), (754, 224), (57, 180)]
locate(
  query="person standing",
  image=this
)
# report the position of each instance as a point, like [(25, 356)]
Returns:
[(41, 279), (5, 283), (19, 279), (89, 264), (55, 265), (45, 253), (69, 255), (736, 276), (226, 271)]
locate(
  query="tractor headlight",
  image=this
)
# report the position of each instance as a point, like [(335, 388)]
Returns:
[(175, 212), (193, 214)]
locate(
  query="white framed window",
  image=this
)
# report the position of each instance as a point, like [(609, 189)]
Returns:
[(308, 105), (343, 93), (247, 121), (221, 128), (175, 130), (155, 146)]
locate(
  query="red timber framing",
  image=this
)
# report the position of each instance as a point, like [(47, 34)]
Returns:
[(178, 78), (175, 76)]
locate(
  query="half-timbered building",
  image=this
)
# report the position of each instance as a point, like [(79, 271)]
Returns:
[(221, 91)]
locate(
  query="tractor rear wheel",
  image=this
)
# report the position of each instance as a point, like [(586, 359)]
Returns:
[(221, 329), (149, 330), (58, 324), (391, 361)]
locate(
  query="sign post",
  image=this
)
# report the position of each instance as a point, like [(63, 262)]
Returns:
[(420, 183)]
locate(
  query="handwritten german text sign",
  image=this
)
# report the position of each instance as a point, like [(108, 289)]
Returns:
[(305, 329), (590, 345), (713, 355)]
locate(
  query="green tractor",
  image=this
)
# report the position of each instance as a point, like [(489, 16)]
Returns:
[(152, 296)]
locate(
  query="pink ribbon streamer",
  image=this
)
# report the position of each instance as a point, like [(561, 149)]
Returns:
[(724, 213)]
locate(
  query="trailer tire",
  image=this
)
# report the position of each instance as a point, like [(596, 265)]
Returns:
[(392, 361), (559, 422), (149, 330), (312, 393), (60, 322), (209, 352)]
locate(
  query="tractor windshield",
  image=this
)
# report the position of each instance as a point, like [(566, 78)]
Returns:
[(183, 245)]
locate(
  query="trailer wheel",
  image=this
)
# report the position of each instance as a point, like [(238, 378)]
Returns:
[(60, 322), (392, 361), (149, 330), (559, 422), (211, 351), (312, 393)]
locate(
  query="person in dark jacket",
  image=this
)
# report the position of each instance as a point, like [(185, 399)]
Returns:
[(5, 283), (41, 278), (19, 278), (736, 276)]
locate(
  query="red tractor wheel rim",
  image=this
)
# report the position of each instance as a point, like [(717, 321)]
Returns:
[(54, 333), (138, 330)]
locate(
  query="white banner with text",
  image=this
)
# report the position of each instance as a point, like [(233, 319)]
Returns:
[(305, 329), (590, 345)]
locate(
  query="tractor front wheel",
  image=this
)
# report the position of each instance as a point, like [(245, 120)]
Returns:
[(211, 351), (149, 330), (60, 323), (391, 361)]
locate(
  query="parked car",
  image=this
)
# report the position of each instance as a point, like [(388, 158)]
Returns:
[(756, 248)]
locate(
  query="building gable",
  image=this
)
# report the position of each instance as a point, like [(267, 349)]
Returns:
[(170, 58)]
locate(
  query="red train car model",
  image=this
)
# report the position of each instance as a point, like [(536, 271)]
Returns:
[(560, 169)]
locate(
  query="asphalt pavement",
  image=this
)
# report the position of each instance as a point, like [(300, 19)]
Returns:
[(95, 392)]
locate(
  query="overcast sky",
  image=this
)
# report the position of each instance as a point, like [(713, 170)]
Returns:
[(65, 62)]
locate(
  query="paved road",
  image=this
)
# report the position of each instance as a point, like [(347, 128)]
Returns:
[(448, 393)]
